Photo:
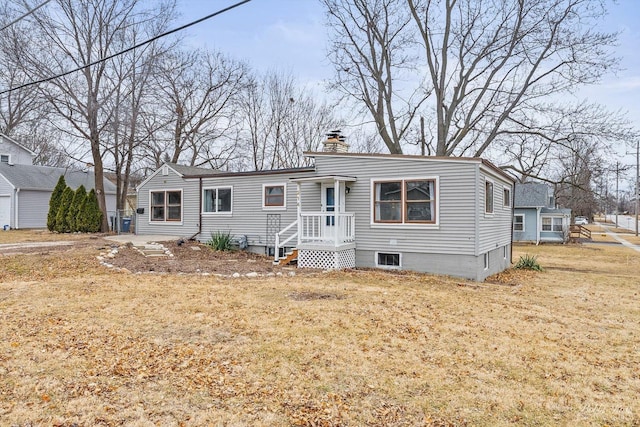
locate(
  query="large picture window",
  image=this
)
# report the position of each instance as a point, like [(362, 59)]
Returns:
[(411, 201), (166, 205), (217, 200)]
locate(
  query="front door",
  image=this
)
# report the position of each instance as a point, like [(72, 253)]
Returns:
[(329, 203)]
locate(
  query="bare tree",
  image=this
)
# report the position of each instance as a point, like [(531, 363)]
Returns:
[(485, 64), (281, 121), (78, 33), (132, 77), (195, 103), (373, 51), (18, 108)]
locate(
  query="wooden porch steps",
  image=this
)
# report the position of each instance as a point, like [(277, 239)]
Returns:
[(289, 257)]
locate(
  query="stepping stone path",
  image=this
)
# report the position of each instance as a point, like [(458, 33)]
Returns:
[(153, 250)]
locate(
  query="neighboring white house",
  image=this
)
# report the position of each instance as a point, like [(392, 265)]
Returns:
[(442, 215), (536, 218), (25, 189)]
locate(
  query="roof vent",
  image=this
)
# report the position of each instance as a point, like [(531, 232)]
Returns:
[(335, 143)]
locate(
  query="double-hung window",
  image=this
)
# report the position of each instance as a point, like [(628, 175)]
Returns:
[(518, 223), (274, 196), (404, 201), (217, 200), (166, 205)]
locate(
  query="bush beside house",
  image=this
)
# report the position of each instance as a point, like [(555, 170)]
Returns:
[(71, 211)]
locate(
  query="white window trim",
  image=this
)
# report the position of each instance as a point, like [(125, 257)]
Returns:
[(493, 197), (505, 200), (230, 213), (165, 222), (388, 267), (8, 157), (514, 223), (274, 208), (552, 220), (403, 225)]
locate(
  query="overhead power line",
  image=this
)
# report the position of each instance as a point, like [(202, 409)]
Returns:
[(29, 12), (106, 58)]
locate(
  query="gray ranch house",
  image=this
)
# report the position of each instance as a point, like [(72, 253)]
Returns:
[(449, 216), (536, 219), (25, 188)]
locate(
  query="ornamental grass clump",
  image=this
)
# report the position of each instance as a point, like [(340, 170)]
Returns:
[(220, 241), (528, 262)]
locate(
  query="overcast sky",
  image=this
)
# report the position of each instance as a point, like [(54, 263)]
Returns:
[(290, 35)]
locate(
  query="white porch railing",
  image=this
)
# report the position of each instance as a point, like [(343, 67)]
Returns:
[(279, 244), (326, 227), (331, 228)]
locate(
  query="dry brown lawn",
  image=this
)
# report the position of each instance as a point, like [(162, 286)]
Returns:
[(84, 345)]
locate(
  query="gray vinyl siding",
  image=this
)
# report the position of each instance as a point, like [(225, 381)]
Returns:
[(33, 208), (456, 232), (17, 155), (248, 218), (494, 230), (190, 214)]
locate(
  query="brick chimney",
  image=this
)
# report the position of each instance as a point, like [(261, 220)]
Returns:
[(335, 143)]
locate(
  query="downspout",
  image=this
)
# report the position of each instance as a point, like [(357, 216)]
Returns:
[(16, 207), (538, 225), (299, 212), (479, 211), (199, 210), (513, 211), (199, 206)]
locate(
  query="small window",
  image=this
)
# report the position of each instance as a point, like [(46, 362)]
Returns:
[(506, 197), (387, 260), (217, 200), (4, 158), (518, 223), (166, 206), (274, 196), (486, 261), (488, 197)]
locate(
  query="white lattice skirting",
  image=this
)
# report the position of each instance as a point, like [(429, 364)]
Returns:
[(327, 260)]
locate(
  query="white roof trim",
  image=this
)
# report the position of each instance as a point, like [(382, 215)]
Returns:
[(7, 181), (159, 170), (325, 178)]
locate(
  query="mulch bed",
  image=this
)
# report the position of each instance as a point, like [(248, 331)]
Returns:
[(196, 258)]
